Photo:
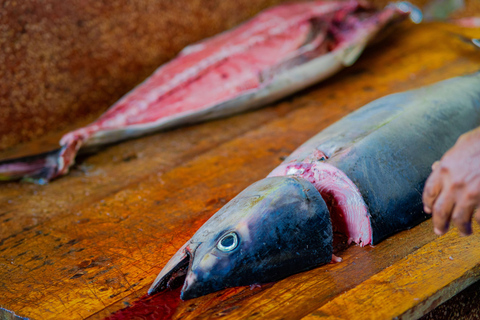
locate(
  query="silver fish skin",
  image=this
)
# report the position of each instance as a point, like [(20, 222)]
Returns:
[(280, 51), (362, 176)]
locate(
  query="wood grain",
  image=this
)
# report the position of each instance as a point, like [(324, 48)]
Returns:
[(412, 286), (89, 243)]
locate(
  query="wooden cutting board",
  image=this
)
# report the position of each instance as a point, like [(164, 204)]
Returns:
[(92, 242)]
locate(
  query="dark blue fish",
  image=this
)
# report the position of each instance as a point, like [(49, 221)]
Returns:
[(362, 176)]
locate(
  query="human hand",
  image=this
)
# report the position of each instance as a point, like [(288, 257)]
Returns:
[(452, 191)]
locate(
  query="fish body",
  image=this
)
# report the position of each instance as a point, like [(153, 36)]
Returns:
[(363, 176), (280, 51), (385, 150)]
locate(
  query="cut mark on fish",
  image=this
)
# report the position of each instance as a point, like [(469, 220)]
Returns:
[(348, 211)]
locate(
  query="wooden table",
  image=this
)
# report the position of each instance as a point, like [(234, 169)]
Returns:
[(92, 242)]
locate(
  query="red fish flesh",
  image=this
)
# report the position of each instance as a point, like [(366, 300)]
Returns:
[(278, 52)]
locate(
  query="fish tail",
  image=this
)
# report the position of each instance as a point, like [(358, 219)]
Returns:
[(43, 167), (39, 168)]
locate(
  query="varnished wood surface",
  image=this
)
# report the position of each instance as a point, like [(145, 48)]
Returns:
[(89, 243), (413, 285)]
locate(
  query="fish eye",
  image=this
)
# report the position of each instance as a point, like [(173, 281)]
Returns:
[(228, 242)]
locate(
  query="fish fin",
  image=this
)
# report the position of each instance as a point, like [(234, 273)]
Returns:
[(336, 259), (352, 53)]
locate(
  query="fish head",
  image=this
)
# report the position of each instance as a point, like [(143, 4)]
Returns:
[(275, 228)]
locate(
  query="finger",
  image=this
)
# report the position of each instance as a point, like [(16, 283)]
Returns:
[(477, 215), (462, 217), (442, 212), (433, 186)]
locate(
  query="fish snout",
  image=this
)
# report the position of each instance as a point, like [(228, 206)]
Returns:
[(173, 274)]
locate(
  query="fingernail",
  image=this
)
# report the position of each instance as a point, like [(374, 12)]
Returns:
[(468, 230), (427, 209), (438, 232)]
